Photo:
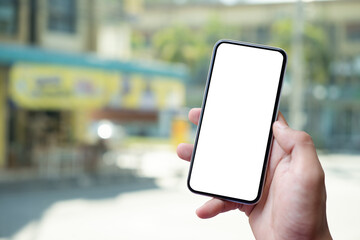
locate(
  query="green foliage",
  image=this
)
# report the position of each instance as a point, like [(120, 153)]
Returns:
[(177, 44), (193, 47), (317, 54)]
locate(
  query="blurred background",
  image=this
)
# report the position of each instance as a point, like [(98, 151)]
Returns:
[(94, 98)]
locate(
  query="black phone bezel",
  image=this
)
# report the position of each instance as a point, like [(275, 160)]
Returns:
[(270, 136)]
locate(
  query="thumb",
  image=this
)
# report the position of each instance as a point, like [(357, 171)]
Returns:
[(304, 160), (293, 141)]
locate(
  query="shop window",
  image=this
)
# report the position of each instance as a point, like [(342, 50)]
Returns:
[(62, 15), (353, 32), (8, 17)]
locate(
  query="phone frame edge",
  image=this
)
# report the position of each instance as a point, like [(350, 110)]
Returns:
[(270, 136)]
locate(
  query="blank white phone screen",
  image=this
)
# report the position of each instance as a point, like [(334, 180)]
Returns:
[(236, 121)]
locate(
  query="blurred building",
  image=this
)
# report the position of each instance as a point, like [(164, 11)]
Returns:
[(332, 106), (66, 85)]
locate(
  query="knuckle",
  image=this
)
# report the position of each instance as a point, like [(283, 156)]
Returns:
[(303, 137)]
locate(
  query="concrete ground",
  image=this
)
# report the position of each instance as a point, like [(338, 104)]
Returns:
[(157, 208)]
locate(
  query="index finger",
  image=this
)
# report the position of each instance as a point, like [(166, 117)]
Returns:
[(194, 115)]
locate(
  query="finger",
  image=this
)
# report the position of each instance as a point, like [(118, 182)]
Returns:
[(194, 115), (282, 119), (184, 151), (289, 138), (215, 206), (247, 209), (303, 154), (277, 153), (299, 144)]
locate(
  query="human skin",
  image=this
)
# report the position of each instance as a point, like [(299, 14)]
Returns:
[(293, 204)]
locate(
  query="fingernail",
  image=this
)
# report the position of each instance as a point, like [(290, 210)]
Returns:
[(280, 125)]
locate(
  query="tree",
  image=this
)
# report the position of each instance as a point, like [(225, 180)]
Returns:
[(317, 54), (192, 46)]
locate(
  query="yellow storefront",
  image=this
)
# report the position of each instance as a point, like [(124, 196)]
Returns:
[(60, 99)]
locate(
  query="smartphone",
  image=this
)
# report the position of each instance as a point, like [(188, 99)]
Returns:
[(234, 134)]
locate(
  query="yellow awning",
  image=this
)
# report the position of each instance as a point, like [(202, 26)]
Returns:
[(40, 86), (55, 87)]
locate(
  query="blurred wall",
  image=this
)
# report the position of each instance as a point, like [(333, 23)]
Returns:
[(64, 71)]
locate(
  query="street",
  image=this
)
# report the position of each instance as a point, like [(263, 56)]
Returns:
[(159, 207)]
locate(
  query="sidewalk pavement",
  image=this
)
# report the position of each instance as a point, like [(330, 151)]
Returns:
[(342, 177), (164, 210)]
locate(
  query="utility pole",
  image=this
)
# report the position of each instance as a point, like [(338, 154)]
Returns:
[(296, 111)]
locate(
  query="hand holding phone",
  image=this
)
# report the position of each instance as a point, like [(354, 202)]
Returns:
[(294, 199), (229, 159)]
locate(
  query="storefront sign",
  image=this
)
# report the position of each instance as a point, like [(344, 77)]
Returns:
[(38, 86), (48, 87), (140, 92)]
